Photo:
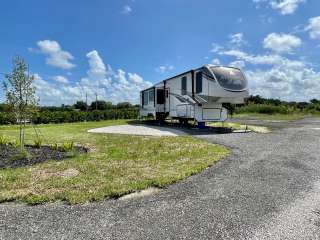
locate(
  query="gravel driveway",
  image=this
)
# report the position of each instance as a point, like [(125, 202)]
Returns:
[(269, 188)]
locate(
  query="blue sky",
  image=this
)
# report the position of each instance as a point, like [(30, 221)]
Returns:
[(117, 48)]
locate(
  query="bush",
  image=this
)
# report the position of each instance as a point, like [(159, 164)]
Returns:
[(7, 118), (45, 117)]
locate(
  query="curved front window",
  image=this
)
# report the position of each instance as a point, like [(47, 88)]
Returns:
[(230, 78)]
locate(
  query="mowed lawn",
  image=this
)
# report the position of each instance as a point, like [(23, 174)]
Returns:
[(116, 164)]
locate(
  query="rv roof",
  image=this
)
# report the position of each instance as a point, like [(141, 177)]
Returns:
[(181, 74)]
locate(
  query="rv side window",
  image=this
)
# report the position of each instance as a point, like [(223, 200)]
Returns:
[(183, 85), (199, 82), (151, 96), (145, 98)]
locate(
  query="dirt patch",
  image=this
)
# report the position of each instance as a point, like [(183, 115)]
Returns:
[(11, 157)]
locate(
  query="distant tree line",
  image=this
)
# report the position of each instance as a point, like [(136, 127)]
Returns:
[(102, 110), (80, 111), (258, 104)]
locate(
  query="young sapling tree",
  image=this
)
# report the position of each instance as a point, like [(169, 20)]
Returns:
[(21, 94)]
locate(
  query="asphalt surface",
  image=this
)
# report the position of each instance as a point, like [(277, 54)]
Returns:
[(269, 188)]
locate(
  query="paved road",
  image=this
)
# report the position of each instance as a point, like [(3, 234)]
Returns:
[(269, 188)]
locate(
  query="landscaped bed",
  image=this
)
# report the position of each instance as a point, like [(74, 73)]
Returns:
[(12, 157), (114, 166)]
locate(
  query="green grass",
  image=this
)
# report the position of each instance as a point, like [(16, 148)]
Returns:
[(116, 165), (271, 117)]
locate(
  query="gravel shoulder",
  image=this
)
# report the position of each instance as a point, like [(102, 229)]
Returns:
[(267, 189)]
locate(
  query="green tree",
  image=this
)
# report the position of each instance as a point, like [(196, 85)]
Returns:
[(100, 105), (20, 94), (81, 105), (124, 105)]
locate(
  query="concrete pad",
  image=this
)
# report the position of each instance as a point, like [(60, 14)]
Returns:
[(139, 130)]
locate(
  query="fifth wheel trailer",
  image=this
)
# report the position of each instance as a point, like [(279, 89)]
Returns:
[(200, 94)]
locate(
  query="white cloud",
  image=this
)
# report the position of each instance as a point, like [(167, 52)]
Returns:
[(285, 7), (273, 59), (281, 43), (273, 74), (285, 82), (55, 55), (164, 69), (237, 40), (239, 64), (215, 48), (314, 27), (126, 9), (216, 61), (98, 72), (276, 76), (111, 86), (60, 79)]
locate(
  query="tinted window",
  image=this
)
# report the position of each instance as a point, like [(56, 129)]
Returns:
[(151, 95), (145, 98), (199, 82), (230, 78), (184, 86), (160, 96)]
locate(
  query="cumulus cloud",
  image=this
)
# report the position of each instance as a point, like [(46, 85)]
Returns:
[(164, 68), (285, 7), (109, 85), (281, 43), (284, 78), (276, 76), (314, 27), (60, 79), (55, 55)]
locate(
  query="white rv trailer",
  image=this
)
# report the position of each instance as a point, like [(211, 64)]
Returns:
[(199, 94)]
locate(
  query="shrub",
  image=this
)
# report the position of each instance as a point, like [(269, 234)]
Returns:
[(264, 109), (45, 117)]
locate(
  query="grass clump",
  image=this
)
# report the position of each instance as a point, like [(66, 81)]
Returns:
[(4, 140), (37, 142), (67, 146)]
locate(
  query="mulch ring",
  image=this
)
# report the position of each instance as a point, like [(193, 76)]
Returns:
[(11, 157)]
